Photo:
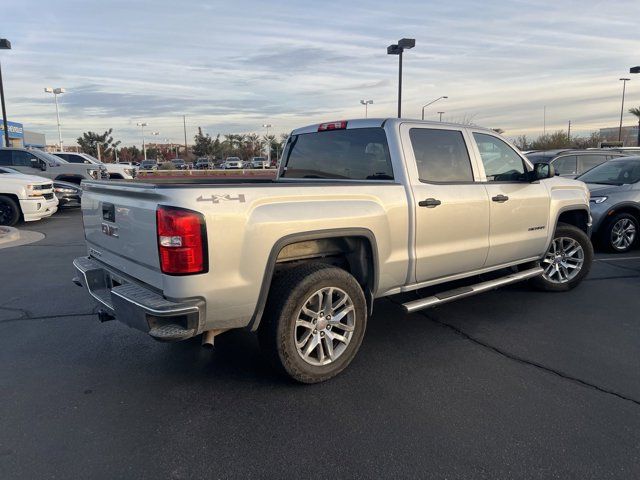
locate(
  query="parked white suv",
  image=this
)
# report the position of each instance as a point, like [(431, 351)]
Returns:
[(25, 197), (116, 170)]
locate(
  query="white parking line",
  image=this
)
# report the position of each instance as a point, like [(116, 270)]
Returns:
[(616, 259)]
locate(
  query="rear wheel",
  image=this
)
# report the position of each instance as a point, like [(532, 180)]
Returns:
[(9, 211), (567, 261), (314, 322), (621, 233)]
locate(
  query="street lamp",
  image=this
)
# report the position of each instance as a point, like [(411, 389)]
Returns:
[(4, 45), (624, 85), (267, 126), (430, 103), (397, 49), (56, 92), (144, 148), (440, 113), (366, 104)]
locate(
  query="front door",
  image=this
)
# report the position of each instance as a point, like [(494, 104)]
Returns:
[(519, 209), (451, 208)]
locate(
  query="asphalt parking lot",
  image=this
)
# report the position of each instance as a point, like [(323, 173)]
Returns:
[(509, 384)]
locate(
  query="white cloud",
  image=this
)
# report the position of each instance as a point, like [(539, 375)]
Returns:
[(233, 66)]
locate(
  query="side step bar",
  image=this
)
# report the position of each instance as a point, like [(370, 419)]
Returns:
[(462, 292)]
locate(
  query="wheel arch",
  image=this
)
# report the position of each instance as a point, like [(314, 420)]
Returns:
[(625, 207), (577, 216), (356, 246)]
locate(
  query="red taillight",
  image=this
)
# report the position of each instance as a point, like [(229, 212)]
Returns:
[(182, 241), (341, 125)]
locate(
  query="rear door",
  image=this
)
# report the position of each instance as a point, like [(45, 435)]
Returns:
[(519, 208), (452, 207)]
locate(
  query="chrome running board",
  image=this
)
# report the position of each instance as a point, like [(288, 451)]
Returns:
[(462, 292)]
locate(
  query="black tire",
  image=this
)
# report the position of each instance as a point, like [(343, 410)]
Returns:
[(9, 211), (564, 230), (607, 235), (290, 290)]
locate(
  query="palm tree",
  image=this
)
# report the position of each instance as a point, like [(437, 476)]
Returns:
[(636, 111)]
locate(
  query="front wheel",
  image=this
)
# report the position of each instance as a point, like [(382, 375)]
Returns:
[(567, 261), (9, 211), (621, 233), (314, 322)]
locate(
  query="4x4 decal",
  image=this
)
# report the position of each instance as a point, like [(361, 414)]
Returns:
[(221, 198)]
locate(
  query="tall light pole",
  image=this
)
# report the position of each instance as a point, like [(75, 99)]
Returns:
[(636, 70), (366, 104), (267, 126), (156, 134), (544, 120), (440, 113), (4, 45), (144, 147), (398, 49), (624, 85), (56, 92), (430, 103)]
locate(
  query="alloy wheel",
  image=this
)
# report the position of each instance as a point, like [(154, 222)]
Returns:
[(563, 260), (623, 234), (324, 326)]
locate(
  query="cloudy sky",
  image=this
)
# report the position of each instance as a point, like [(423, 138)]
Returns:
[(232, 66)]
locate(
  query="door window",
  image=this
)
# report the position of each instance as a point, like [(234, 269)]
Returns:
[(501, 162), (566, 165), (22, 159), (441, 155), (5, 157), (587, 162)]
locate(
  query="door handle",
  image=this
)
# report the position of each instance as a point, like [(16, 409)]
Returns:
[(500, 198), (429, 203)]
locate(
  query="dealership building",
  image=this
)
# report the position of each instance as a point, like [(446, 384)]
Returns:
[(19, 137)]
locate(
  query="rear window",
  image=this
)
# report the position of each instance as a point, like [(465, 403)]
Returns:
[(357, 154)]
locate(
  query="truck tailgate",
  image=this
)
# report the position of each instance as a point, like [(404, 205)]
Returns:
[(120, 228)]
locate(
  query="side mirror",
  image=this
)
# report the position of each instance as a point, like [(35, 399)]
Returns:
[(542, 170)]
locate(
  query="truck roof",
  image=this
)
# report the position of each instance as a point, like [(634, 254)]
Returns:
[(379, 122)]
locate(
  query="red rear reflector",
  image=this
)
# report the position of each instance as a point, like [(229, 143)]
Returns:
[(182, 241), (341, 125)]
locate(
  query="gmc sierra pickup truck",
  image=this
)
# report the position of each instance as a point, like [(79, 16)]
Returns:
[(360, 209)]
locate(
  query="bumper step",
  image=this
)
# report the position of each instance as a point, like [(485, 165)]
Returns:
[(451, 295)]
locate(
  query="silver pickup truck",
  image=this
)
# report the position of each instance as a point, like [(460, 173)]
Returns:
[(360, 209)]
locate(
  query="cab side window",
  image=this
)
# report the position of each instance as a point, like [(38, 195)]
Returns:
[(5, 158), (441, 155), (501, 162), (587, 162), (22, 159), (566, 165)]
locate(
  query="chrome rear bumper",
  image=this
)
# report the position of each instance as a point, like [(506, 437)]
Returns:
[(139, 307)]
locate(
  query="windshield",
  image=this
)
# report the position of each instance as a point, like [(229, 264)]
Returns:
[(615, 172), (8, 170)]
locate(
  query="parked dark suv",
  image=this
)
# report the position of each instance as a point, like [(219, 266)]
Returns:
[(571, 163)]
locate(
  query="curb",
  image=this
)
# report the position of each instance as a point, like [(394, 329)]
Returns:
[(9, 234)]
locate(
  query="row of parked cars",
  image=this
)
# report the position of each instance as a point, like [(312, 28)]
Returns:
[(231, 163), (613, 178), (34, 184)]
